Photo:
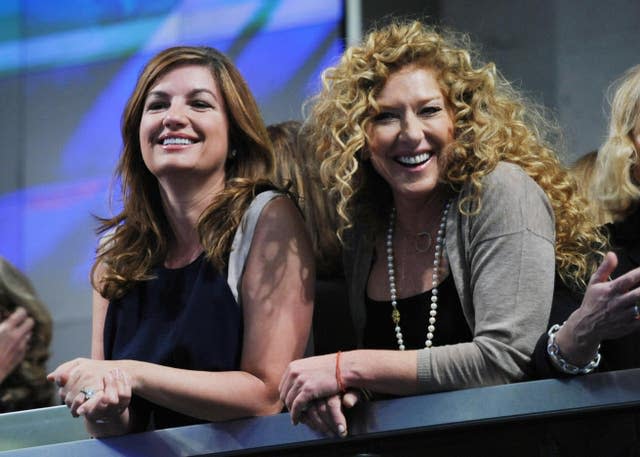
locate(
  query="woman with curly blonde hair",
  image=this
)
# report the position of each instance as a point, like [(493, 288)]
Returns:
[(605, 325), (204, 281), (455, 211), (25, 336)]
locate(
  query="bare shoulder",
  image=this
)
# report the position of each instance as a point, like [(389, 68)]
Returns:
[(279, 216)]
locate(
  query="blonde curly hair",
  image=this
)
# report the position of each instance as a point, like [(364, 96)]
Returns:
[(613, 184), (492, 123)]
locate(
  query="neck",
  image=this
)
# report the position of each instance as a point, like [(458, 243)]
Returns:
[(183, 207), (415, 216)]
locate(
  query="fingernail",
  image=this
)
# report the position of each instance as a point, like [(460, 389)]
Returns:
[(342, 431)]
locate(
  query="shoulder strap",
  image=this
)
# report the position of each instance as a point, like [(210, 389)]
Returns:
[(242, 241)]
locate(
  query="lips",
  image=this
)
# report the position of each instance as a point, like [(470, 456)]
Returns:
[(414, 160)]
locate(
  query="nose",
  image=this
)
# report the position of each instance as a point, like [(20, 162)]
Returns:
[(412, 129), (174, 117)]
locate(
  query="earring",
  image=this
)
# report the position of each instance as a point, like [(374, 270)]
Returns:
[(233, 153)]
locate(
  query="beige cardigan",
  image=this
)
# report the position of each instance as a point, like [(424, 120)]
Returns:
[(503, 262)]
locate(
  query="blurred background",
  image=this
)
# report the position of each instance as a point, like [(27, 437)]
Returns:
[(67, 68)]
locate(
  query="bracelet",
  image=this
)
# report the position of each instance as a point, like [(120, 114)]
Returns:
[(339, 379), (560, 363)]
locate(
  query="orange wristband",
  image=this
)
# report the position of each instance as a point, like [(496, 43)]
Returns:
[(339, 379)]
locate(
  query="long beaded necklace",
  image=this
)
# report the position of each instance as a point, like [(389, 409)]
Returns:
[(433, 311)]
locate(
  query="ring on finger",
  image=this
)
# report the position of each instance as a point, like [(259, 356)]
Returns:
[(636, 312), (89, 393)]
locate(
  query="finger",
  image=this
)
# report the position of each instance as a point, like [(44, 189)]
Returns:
[(298, 403), (628, 281), (17, 317), (96, 407), (110, 389), (61, 374), (26, 326), (351, 398), (335, 416), (124, 389), (78, 401), (605, 269), (314, 420), (73, 400)]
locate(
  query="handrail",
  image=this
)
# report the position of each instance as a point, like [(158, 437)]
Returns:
[(457, 410)]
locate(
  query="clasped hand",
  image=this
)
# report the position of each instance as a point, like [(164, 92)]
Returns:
[(97, 389), (310, 391)]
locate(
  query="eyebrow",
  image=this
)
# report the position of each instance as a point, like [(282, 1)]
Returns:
[(425, 100), (192, 93)]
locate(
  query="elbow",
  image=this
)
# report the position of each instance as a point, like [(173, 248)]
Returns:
[(268, 407)]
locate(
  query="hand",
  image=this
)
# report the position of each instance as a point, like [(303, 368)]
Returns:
[(306, 380), (327, 414), (108, 404), (80, 374), (607, 312), (15, 334)]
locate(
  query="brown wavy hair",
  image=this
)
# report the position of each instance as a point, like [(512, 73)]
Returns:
[(27, 386), (137, 238), (493, 122), (298, 170)]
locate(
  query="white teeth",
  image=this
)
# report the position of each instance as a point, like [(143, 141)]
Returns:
[(168, 141), (413, 160)]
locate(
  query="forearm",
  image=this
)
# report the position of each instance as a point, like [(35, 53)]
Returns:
[(212, 396), (390, 372)]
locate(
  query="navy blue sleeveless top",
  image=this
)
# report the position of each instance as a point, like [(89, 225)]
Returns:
[(184, 318)]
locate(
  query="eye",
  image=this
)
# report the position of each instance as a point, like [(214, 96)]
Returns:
[(155, 105), (200, 104), (430, 110), (385, 116)]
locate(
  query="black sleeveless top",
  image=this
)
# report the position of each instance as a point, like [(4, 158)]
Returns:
[(451, 325), (184, 318)]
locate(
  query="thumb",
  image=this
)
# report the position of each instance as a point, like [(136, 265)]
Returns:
[(605, 269), (350, 398)]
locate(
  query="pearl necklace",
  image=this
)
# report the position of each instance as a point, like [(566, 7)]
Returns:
[(395, 314)]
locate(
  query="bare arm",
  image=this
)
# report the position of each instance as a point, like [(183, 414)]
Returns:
[(277, 297)]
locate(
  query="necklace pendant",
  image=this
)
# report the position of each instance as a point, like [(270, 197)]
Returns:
[(395, 316), (423, 241)]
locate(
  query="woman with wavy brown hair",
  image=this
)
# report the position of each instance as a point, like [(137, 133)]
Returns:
[(455, 214), (25, 336), (204, 281)]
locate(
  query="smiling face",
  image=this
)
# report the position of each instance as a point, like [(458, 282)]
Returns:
[(184, 126), (408, 135)]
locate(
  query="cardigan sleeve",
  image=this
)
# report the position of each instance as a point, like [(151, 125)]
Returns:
[(503, 263)]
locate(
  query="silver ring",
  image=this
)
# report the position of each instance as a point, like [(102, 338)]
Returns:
[(88, 393), (636, 312)]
